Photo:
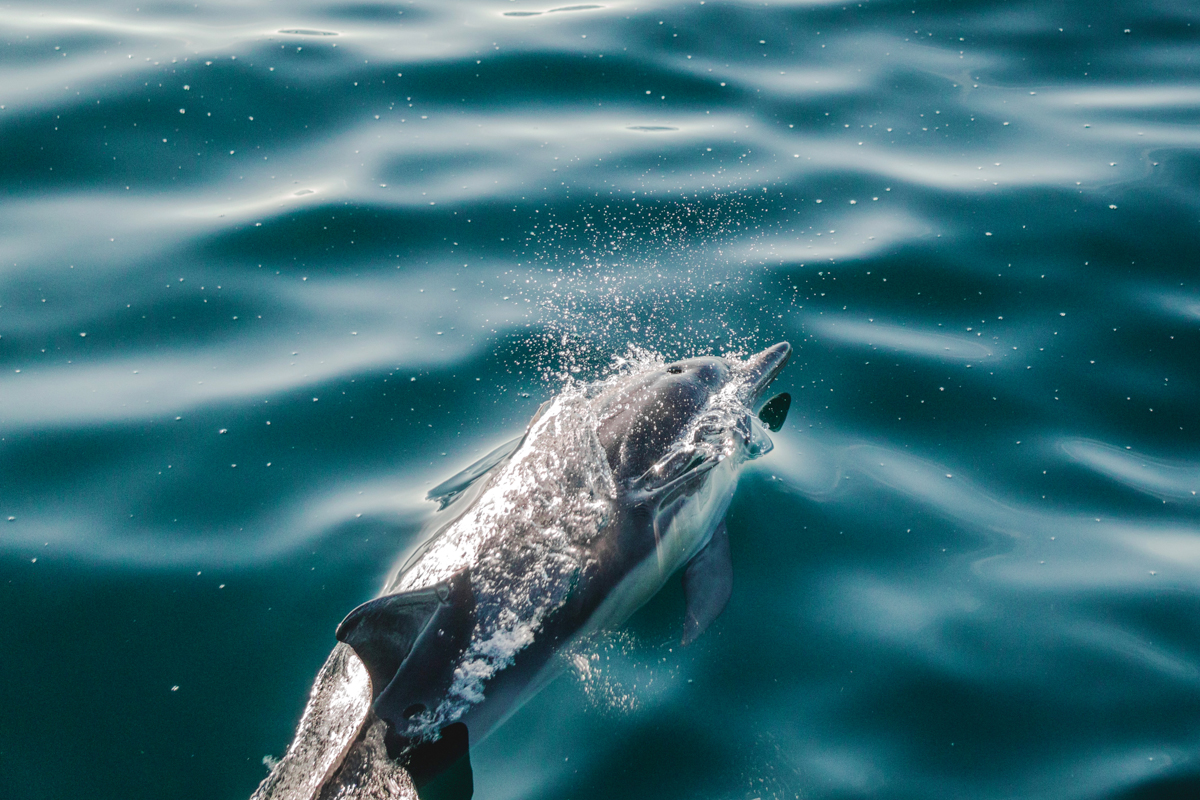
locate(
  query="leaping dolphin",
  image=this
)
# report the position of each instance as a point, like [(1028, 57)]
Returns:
[(564, 532)]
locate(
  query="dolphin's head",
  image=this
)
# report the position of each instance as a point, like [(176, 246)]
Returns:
[(642, 418), (698, 408)]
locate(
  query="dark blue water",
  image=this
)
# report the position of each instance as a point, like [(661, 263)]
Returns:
[(269, 271)]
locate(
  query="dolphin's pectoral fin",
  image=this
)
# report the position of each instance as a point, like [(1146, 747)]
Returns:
[(707, 584), (446, 491), (774, 412), (441, 769), (424, 678), (382, 632)]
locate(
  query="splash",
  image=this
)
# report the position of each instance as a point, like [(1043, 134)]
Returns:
[(604, 675), (621, 675), (612, 277)]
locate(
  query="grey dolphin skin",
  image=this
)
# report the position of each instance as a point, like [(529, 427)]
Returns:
[(543, 543)]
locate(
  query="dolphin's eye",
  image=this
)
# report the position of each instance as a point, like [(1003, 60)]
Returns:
[(674, 370)]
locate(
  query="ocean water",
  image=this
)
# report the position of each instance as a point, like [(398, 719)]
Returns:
[(269, 271)]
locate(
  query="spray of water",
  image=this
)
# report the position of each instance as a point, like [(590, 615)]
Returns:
[(641, 279)]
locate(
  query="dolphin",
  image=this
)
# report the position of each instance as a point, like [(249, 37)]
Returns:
[(546, 541)]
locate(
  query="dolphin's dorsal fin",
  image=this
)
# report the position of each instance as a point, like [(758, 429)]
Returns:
[(386, 630), (707, 584), (382, 631), (425, 676), (446, 491)]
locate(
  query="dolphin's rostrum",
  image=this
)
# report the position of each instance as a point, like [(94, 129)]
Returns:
[(560, 534)]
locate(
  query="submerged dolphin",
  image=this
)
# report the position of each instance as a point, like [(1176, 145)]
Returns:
[(562, 533)]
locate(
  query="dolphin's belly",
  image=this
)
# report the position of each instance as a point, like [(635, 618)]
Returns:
[(687, 531)]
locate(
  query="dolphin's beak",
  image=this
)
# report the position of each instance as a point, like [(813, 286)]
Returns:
[(761, 368)]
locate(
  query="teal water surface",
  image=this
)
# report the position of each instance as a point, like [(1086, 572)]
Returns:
[(269, 271)]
